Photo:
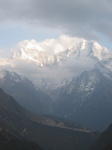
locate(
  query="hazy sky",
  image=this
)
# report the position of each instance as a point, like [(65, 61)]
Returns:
[(43, 19)]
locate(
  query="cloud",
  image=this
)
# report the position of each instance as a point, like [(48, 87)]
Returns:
[(64, 58), (82, 18), (50, 46)]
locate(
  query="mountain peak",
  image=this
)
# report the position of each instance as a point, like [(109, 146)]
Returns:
[(53, 50), (100, 52)]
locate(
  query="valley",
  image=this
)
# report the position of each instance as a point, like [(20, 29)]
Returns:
[(56, 101)]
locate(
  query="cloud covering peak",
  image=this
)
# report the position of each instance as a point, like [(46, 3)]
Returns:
[(66, 57)]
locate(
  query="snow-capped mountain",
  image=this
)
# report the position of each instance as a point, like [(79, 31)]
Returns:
[(74, 75), (38, 53), (87, 100), (53, 63)]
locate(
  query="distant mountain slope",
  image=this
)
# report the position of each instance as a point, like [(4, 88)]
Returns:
[(88, 100), (21, 123), (23, 90)]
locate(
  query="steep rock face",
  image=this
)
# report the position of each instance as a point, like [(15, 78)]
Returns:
[(87, 100)]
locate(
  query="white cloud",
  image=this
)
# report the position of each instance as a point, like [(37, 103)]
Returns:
[(50, 46), (71, 64)]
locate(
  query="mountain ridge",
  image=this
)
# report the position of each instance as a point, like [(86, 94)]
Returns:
[(23, 124), (35, 51), (69, 84)]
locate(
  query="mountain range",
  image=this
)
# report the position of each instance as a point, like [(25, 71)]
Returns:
[(21, 129), (68, 77), (24, 91)]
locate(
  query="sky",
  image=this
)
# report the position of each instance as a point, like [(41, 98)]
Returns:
[(48, 19)]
